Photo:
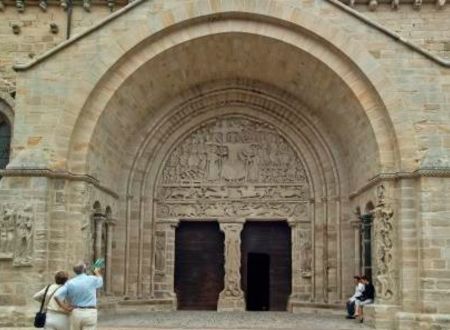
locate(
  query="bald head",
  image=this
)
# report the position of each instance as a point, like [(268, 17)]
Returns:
[(79, 268)]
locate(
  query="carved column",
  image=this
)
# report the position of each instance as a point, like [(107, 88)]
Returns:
[(296, 263), (232, 296), (109, 239), (357, 246), (99, 220)]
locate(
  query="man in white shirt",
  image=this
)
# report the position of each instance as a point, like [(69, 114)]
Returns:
[(359, 289)]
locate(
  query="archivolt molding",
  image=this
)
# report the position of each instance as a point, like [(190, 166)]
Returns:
[(166, 132), (334, 56), (237, 101)]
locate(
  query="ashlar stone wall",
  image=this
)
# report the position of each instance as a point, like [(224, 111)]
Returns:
[(371, 126)]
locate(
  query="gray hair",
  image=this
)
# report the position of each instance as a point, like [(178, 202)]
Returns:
[(79, 268)]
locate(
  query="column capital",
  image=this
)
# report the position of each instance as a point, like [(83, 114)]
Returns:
[(356, 223), (99, 217), (231, 226)]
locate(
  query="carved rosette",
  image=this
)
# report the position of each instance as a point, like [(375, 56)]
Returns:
[(232, 168), (16, 234), (385, 278), (232, 296)]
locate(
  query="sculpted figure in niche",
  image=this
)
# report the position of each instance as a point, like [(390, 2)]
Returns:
[(7, 228), (24, 227)]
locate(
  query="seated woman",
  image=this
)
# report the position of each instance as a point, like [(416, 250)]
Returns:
[(57, 318), (366, 298)]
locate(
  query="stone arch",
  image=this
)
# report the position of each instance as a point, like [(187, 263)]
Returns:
[(350, 67), (340, 58), (6, 128), (7, 104), (5, 140), (189, 116)]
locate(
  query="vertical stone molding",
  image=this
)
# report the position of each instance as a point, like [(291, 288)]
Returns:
[(110, 223), (232, 296), (301, 251)]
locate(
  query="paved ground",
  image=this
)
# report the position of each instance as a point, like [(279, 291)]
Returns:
[(230, 321)]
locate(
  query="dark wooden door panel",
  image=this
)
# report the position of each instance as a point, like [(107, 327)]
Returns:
[(199, 265), (274, 240)]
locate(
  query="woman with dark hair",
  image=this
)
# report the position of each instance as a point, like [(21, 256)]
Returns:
[(57, 318)]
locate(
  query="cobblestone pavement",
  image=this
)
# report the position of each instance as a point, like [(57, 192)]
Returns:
[(229, 321)]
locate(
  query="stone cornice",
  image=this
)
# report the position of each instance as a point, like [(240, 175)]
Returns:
[(436, 172), (395, 4), (65, 175)]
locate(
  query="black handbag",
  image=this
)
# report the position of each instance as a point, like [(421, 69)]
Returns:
[(40, 317)]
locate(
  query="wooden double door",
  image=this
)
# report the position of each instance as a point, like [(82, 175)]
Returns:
[(265, 265)]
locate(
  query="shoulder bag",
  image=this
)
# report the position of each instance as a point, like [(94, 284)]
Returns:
[(39, 319)]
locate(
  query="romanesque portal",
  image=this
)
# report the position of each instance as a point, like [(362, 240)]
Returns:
[(244, 174)]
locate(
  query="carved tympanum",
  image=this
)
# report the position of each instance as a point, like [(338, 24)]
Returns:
[(232, 167)]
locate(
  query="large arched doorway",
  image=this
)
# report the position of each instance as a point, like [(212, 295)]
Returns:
[(315, 105)]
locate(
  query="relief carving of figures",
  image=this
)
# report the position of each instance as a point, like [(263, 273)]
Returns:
[(24, 237), (385, 278), (7, 232), (232, 283), (234, 150), (230, 167), (229, 209)]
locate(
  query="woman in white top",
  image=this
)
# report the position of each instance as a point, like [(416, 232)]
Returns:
[(57, 318)]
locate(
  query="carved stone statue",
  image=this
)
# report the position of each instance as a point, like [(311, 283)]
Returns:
[(24, 237), (7, 232)]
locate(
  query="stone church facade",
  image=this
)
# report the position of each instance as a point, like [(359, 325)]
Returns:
[(310, 136)]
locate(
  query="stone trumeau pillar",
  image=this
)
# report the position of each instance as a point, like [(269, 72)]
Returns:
[(232, 296)]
